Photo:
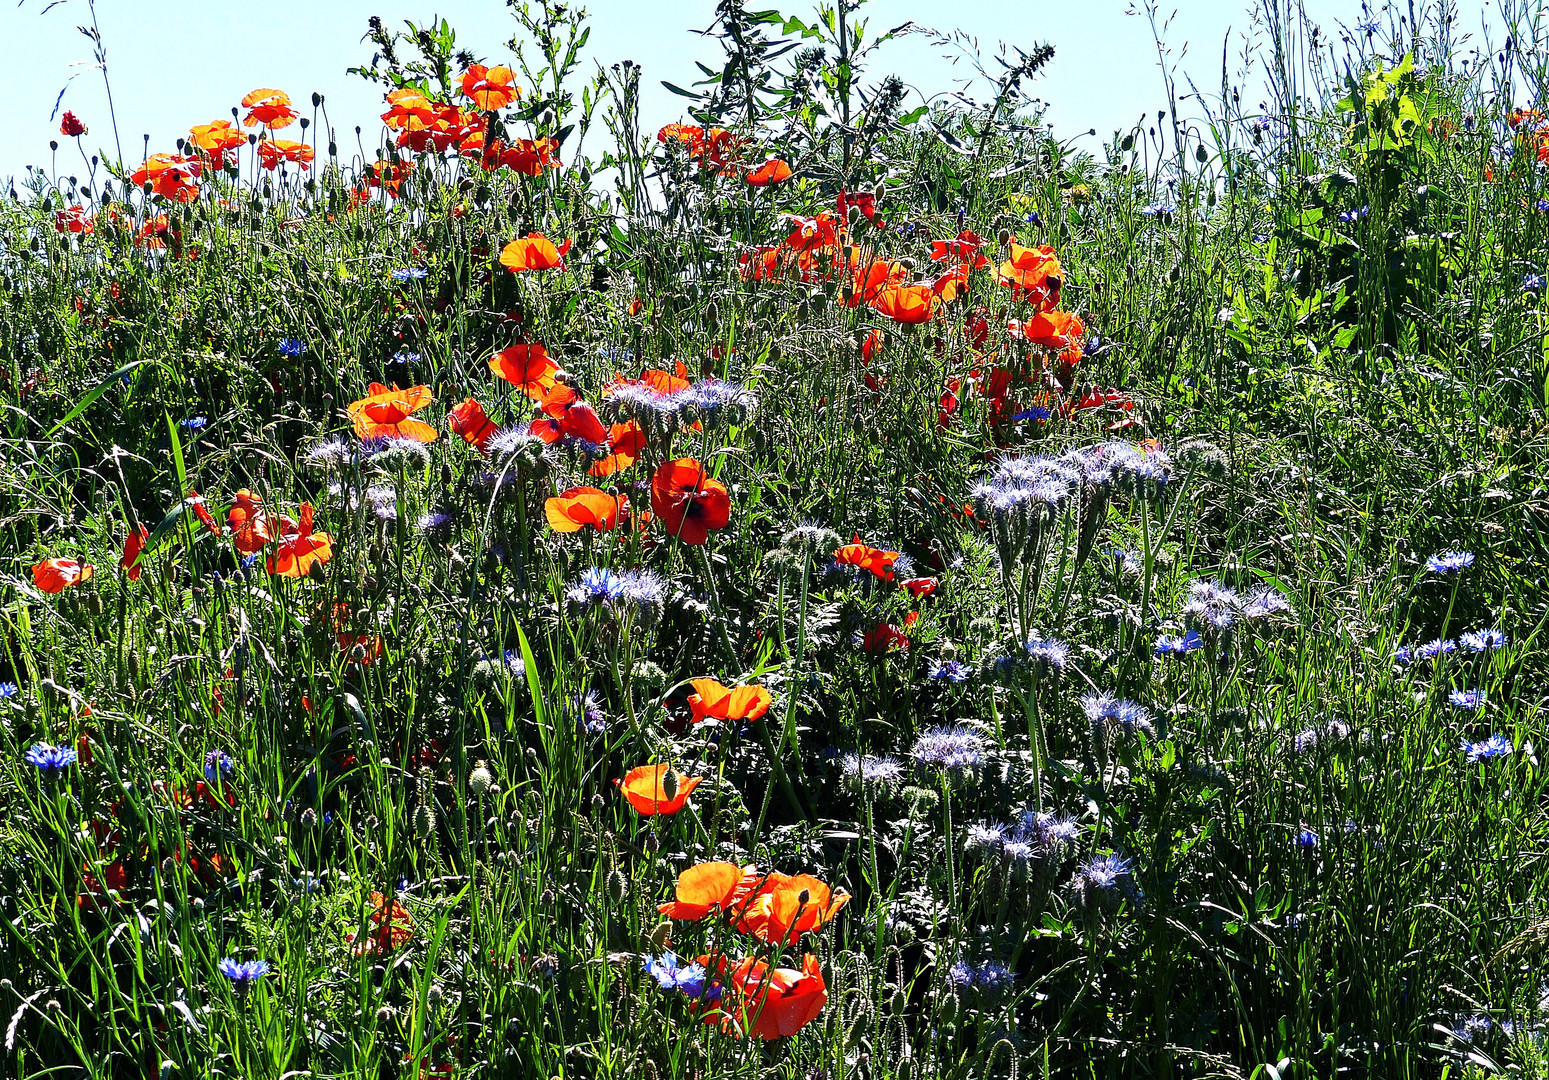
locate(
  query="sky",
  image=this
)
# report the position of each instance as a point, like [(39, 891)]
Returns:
[(173, 63)]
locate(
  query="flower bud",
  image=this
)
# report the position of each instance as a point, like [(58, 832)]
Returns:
[(670, 784), (660, 933), (618, 887), (480, 779)]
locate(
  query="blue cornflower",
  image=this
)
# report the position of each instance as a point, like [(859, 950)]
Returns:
[(8, 689), (51, 761), (1261, 238), (597, 587), (1449, 562), (1438, 647), (195, 423), (1466, 699), (243, 973), (292, 347), (218, 763), (1306, 839), (1479, 641), (1037, 412), (1471, 1028), (950, 670), (1160, 208), (672, 974), (1032, 218), (1171, 645), (1403, 655), (435, 523), (515, 666), (949, 747), (1542, 206), (1493, 747), (410, 273), (588, 709), (406, 357), (1348, 216), (1533, 283), (1369, 27)]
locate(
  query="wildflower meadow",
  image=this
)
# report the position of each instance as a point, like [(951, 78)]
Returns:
[(853, 583)]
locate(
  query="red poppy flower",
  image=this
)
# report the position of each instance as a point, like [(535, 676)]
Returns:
[(217, 139), (533, 252), (784, 907), (526, 367), (530, 157), (865, 201), (134, 543), (778, 1002), (811, 233), (1097, 399), (658, 382), (689, 502), (74, 219), (711, 700), (251, 529), (878, 562), (389, 174), (270, 108), (921, 587), (299, 547), (950, 284), (172, 176), (625, 441), (642, 786), (774, 171), (469, 421), (582, 507), (907, 304), (70, 125), (711, 887), (273, 152), (865, 284), (884, 638), (1034, 273), (566, 416), (57, 575), (490, 88), (385, 413), (372, 647), (1058, 330)]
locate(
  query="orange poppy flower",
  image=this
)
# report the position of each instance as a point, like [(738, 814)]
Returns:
[(490, 88), (773, 171), (778, 1002), (407, 108), (250, 526), (581, 507), (526, 367), (389, 174), (371, 645), (1059, 330), (906, 304), (658, 382), (866, 284), (966, 249), (777, 913), (533, 252), (299, 546), (711, 700), (708, 888), (642, 786), (70, 125), (134, 543), (689, 502), (273, 152), (878, 562), (270, 108), (172, 176), (689, 135), (469, 421), (391, 927), (810, 233), (385, 413), (57, 575), (948, 285), (530, 157), (217, 139), (195, 502), (625, 441), (1033, 272)]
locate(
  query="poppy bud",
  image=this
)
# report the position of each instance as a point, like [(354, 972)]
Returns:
[(1201, 155), (546, 898), (617, 887), (562, 376), (317, 99), (53, 144), (880, 192), (904, 1070), (670, 784), (947, 1009), (661, 932), (854, 216), (804, 897), (308, 819), (316, 572), (857, 1030), (1003, 237), (480, 779), (424, 821), (712, 313), (168, 865)]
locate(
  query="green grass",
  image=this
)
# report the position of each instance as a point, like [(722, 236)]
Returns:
[(1323, 318)]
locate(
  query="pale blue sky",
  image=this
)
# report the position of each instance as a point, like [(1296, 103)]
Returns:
[(180, 62)]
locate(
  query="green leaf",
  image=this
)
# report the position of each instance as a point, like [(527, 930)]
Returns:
[(177, 455), (96, 392), (681, 92)]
